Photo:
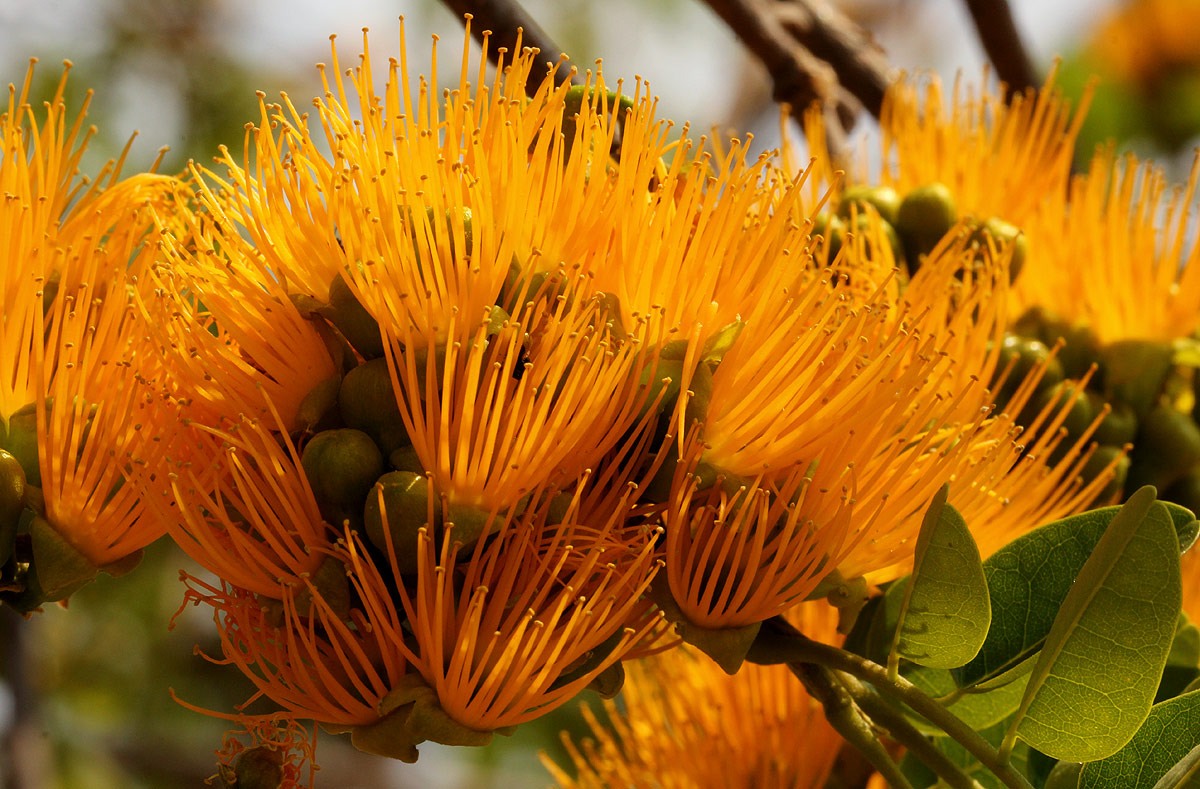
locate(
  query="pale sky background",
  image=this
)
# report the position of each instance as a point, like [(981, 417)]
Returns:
[(691, 60)]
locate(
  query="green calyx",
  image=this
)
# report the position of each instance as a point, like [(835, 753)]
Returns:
[(411, 714), (60, 569), (727, 646), (573, 102), (341, 466), (368, 403), (397, 509), (924, 216)]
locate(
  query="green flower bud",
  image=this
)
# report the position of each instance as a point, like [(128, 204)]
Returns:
[(833, 229), (368, 403), (862, 226), (20, 439), (664, 377), (1118, 428), (12, 502), (1004, 234), (331, 585), (351, 318), (470, 523), (573, 104), (50, 290), (1185, 491), (405, 498), (1064, 775), (317, 404), (926, 214), (1083, 411), (258, 768), (341, 465), (406, 459), (1024, 355), (1098, 462), (1135, 372), (883, 199), (1167, 445)]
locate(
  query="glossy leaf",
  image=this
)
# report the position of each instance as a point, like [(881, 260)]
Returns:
[(1029, 578), (1120, 616), (946, 611), (1169, 734), (977, 710)]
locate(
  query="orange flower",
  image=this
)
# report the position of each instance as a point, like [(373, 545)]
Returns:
[(77, 410), (1135, 273), (685, 723)]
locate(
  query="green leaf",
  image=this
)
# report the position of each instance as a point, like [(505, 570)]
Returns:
[(977, 710), (1185, 774), (946, 611), (1169, 734), (1029, 578), (1119, 615)]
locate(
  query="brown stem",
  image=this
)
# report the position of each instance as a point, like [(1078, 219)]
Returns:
[(779, 642), (899, 729), (847, 719), (861, 65), (1002, 42), (508, 22)]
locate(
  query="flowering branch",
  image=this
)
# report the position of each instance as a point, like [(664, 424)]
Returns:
[(998, 33), (779, 642)]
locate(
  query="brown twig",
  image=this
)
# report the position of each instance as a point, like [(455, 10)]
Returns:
[(812, 53), (507, 22), (861, 66), (1002, 42)]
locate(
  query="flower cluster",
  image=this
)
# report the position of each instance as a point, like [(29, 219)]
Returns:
[(465, 395)]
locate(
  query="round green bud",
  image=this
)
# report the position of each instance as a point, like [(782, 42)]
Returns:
[(351, 318), (1007, 234), (1098, 462), (1185, 491), (1135, 371), (12, 502), (883, 199), (1118, 428), (406, 459), (1024, 354), (368, 403), (1083, 411), (833, 229), (1167, 445), (404, 497), (926, 214), (1081, 348), (470, 523), (862, 226), (341, 465)]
